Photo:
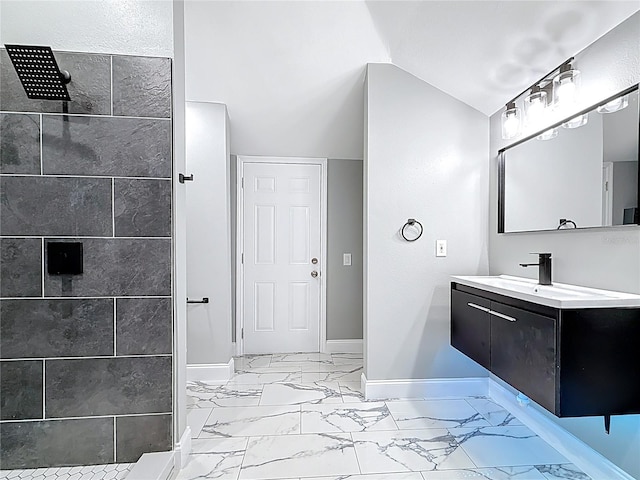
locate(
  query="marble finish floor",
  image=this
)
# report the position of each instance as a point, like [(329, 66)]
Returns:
[(303, 416), (112, 471)]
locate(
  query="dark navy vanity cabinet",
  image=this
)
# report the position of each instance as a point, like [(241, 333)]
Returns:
[(573, 362)]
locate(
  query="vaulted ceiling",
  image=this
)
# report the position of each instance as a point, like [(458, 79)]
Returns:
[(295, 69)]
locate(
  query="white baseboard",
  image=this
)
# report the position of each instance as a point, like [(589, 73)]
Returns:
[(183, 449), (425, 388), (579, 453), (154, 466), (210, 372), (343, 346)]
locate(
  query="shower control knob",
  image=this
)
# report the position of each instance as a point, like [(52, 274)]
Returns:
[(314, 274)]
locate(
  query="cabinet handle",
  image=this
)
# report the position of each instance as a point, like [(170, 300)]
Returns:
[(502, 315), (473, 305)]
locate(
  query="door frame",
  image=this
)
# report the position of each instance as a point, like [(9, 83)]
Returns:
[(322, 162)]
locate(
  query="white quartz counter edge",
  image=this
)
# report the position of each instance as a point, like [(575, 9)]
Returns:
[(616, 300)]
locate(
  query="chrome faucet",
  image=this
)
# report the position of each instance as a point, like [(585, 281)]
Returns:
[(544, 268)]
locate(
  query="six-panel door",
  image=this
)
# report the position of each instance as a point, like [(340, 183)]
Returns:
[(282, 239)]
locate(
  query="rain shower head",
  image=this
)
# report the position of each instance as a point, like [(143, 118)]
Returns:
[(39, 73)]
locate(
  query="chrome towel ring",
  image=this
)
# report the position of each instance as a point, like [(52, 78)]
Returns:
[(410, 223)]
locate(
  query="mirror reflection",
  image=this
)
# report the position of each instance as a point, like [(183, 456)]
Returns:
[(584, 177)]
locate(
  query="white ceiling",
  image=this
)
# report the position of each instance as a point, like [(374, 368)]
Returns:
[(486, 52), (481, 52), (292, 72)]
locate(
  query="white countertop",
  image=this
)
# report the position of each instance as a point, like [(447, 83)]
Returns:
[(558, 295)]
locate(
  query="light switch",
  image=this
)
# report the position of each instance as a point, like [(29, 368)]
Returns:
[(441, 248), (346, 259)]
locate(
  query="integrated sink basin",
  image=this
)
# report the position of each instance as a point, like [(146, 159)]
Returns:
[(558, 295)]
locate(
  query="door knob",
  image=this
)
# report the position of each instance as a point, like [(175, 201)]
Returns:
[(314, 274), (314, 260)]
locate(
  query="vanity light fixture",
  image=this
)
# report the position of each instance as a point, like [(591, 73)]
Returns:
[(511, 119), (535, 105), (614, 105), (557, 90)]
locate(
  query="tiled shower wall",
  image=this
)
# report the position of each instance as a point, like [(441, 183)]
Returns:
[(85, 360)]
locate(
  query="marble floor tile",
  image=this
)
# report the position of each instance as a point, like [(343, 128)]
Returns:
[(497, 473), (348, 374), (255, 377), (377, 476), (214, 458), (281, 408), (435, 414), (409, 450), (351, 392), (299, 456), (566, 471), (196, 419), (252, 421), (505, 446), (299, 393), (492, 412), (320, 366), (206, 395), (339, 358), (300, 357), (350, 417), (247, 362)]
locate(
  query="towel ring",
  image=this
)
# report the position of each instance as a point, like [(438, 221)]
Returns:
[(410, 223)]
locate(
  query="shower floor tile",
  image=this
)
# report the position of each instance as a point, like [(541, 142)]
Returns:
[(111, 471)]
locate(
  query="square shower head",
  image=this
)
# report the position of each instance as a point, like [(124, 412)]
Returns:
[(39, 73)]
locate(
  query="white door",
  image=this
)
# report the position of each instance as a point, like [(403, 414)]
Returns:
[(282, 247)]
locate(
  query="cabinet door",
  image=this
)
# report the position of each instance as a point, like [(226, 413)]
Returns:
[(470, 326), (523, 352)]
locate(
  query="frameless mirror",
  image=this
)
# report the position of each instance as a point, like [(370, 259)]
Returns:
[(583, 178)]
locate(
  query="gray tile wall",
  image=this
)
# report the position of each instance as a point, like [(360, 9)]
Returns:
[(85, 360)]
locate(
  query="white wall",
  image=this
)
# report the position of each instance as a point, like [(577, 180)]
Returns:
[(208, 234), (290, 73), (425, 158), (606, 258), (126, 27), (546, 180)]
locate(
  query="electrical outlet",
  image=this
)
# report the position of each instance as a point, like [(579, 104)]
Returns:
[(441, 248), (346, 259)]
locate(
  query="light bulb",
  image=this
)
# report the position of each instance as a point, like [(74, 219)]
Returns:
[(566, 91), (511, 125), (566, 88), (510, 119), (614, 105), (535, 105)]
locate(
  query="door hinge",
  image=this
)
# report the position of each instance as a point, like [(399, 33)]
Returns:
[(242, 182), (242, 258), (242, 333), (606, 186)]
